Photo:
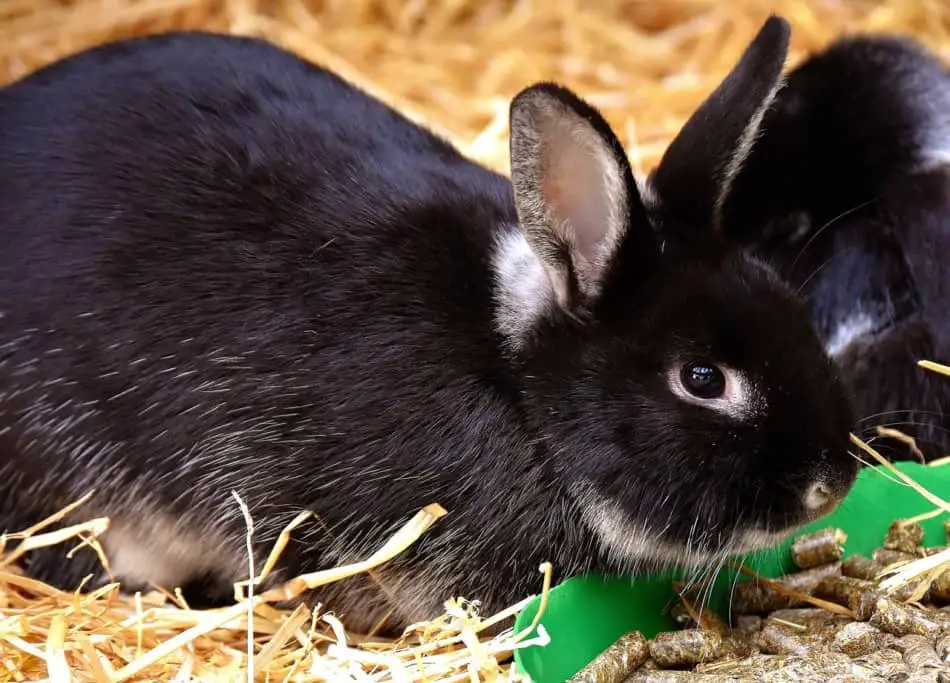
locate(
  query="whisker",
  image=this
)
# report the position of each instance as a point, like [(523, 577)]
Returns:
[(828, 225), (911, 423), (705, 596), (822, 267), (935, 413), (732, 595), (691, 580), (882, 472)]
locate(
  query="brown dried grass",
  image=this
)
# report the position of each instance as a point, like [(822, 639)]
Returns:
[(455, 64), (452, 65), (106, 636)]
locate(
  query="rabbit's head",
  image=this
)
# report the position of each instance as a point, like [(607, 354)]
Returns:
[(687, 406)]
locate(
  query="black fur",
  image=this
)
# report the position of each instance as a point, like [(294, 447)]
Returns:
[(226, 269), (698, 167), (847, 193)]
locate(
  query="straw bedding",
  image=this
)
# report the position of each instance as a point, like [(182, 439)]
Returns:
[(452, 65)]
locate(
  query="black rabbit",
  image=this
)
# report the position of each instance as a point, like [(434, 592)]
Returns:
[(847, 193), (225, 269)]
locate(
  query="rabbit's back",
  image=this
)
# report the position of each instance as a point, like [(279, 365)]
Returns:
[(224, 268)]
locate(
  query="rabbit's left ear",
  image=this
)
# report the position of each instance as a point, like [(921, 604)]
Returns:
[(693, 179), (574, 190)]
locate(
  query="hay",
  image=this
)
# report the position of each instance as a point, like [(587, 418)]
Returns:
[(104, 636), (454, 64)]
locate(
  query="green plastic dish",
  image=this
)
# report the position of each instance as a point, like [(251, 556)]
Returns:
[(586, 614)]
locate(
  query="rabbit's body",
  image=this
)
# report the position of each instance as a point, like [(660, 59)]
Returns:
[(307, 320), (847, 193), (228, 270)]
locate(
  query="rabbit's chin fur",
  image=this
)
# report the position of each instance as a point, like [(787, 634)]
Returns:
[(635, 546)]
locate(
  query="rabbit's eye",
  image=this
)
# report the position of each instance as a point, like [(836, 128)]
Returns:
[(703, 380)]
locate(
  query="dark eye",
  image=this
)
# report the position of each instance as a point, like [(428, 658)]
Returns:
[(703, 380)]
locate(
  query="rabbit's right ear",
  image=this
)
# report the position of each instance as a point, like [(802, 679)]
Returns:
[(693, 179)]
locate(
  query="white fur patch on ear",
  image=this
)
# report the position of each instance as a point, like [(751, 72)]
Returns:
[(523, 291), (741, 153)]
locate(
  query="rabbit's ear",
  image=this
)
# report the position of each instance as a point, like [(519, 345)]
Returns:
[(574, 189), (693, 179)]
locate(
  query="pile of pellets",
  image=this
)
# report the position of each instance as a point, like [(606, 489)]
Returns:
[(860, 632)]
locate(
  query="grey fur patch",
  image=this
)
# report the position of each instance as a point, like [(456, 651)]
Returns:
[(855, 326), (166, 552), (934, 136)]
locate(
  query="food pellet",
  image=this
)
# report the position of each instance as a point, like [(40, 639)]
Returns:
[(753, 597), (812, 667), (888, 557), (843, 590), (918, 652), (867, 604), (903, 537), (801, 632), (813, 618), (749, 623), (617, 662), (883, 665), (942, 616), (858, 639), (765, 667), (940, 588), (901, 620), (942, 647), (806, 579), (860, 567), (688, 647), (903, 592), (679, 677), (817, 548), (775, 640), (777, 637)]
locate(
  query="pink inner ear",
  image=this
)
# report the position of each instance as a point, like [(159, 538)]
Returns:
[(562, 192), (572, 188)]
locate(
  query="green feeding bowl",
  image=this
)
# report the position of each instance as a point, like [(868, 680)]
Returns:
[(585, 615)]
